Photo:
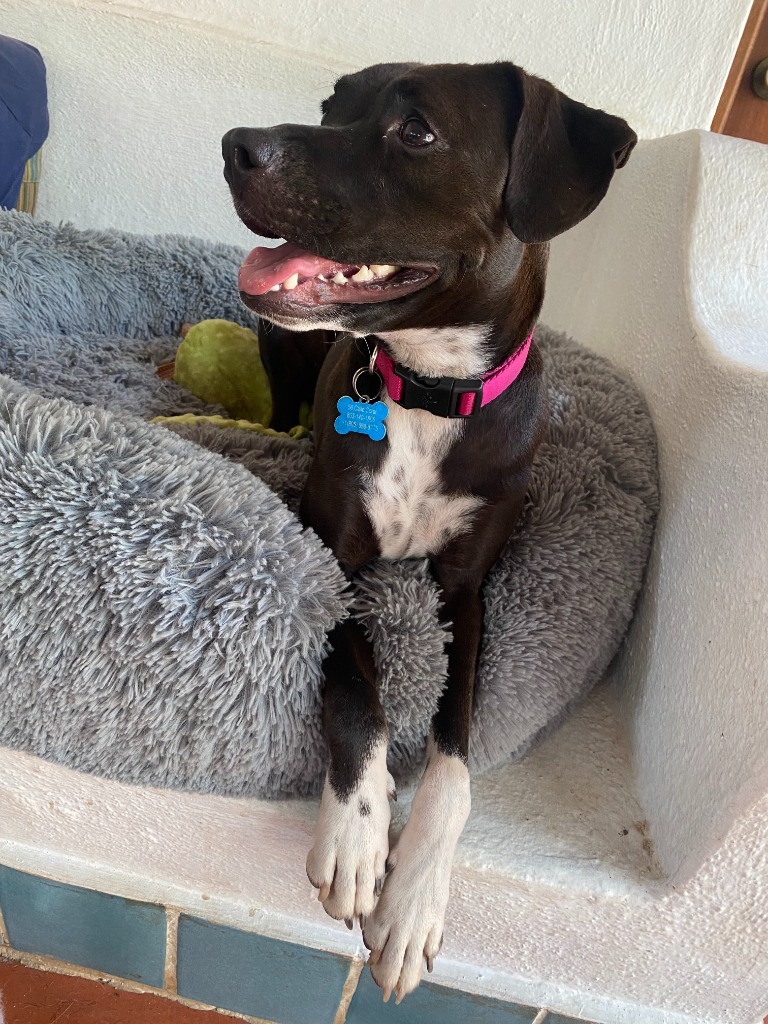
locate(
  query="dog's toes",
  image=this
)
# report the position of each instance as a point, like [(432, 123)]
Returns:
[(386, 967), (340, 902), (396, 969), (391, 787), (432, 947), (320, 871), (434, 942), (379, 871), (329, 878), (391, 862), (351, 895), (375, 938), (410, 973), (365, 896)]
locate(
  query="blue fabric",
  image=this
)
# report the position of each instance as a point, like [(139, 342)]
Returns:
[(23, 113)]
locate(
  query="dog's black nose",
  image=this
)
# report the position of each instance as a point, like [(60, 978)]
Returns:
[(247, 149)]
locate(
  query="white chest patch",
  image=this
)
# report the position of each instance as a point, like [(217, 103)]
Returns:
[(411, 514)]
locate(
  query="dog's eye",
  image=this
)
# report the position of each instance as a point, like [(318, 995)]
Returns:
[(415, 133)]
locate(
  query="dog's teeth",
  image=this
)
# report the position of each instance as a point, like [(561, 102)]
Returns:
[(338, 278), (291, 283), (362, 275), (321, 277), (275, 288), (383, 269)]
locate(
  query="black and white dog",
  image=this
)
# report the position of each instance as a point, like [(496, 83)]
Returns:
[(417, 217)]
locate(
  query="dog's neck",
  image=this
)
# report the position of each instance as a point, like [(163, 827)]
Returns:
[(460, 351), (476, 345)]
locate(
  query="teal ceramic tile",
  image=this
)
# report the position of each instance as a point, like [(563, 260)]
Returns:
[(432, 1004), (248, 973), (80, 926)]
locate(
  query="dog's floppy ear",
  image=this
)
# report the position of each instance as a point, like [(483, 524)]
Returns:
[(562, 160)]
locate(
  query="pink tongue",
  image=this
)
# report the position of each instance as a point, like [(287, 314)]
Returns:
[(264, 268)]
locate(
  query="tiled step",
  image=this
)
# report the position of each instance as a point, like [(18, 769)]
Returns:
[(153, 947)]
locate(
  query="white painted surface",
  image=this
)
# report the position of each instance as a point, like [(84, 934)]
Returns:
[(668, 279), (138, 109), (142, 91), (727, 262)]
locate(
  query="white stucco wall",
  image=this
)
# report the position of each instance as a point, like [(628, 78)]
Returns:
[(142, 92), (668, 278)]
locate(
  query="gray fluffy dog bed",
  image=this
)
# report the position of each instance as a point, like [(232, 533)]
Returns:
[(162, 612)]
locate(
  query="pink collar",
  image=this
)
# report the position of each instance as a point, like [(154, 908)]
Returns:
[(451, 397)]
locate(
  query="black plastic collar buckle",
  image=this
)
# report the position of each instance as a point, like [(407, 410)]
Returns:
[(438, 395)]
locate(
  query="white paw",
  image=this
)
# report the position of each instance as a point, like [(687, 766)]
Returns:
[(347, 860), (406, 928)]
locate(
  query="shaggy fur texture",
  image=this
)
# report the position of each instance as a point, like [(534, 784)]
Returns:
[(163, 614)]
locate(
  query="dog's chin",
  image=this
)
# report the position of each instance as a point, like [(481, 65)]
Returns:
[(328, 319), (359, 320)]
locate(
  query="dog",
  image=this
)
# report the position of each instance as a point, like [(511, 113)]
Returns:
[(417, 217)]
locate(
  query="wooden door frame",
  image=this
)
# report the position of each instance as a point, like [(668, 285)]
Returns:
[(738, 85)]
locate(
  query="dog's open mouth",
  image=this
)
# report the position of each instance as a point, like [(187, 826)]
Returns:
[(290, 274)]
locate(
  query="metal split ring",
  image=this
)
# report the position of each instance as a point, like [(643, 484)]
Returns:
[(370, 371)]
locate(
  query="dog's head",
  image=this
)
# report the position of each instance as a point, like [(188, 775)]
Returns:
[(411, 203)]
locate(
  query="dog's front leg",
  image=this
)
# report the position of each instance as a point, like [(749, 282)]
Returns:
[(347, 860), (407, 925)]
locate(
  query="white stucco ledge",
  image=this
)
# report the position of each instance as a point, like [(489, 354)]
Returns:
[(620, 873), (668, 278)]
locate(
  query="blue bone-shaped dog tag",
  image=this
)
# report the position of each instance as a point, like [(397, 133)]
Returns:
[(361, 418)]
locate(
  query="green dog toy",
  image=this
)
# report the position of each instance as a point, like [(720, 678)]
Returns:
[(220, 363)]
